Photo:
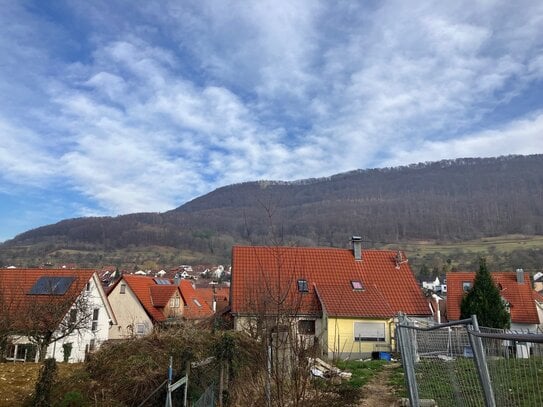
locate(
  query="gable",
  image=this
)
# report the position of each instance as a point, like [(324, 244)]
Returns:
[(141, 287), (519, 296)]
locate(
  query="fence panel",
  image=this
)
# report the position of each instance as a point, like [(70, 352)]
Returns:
[(458, 364), (444, 366), (207, 399), (515, 365)]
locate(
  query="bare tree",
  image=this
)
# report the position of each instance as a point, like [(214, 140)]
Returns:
[(9, 303), (51, 319), (278, 302)]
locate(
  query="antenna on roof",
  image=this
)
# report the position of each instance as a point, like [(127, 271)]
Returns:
[(400, 259)]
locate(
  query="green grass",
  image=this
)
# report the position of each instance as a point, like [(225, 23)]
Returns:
[(397, 380), (515, 381), (362, 372), (501, 244)]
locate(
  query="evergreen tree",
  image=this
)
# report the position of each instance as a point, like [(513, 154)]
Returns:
[(485, 301)]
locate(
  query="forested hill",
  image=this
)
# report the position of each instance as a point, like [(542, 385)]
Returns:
[(447, 201)]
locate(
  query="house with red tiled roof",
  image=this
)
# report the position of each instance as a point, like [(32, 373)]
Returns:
[(70, 304), (217, 297), (142, 302), (515, 288), (344, 300)]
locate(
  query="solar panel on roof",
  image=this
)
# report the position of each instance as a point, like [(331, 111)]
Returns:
[(162, 281), (46, 285)]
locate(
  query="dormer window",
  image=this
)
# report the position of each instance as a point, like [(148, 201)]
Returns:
[(302, 286), (357, 285), (466, 286)]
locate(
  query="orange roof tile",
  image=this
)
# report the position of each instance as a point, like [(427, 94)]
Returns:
[(196, 306), (144, 287), (154, 297), (220, 294), (161, 294), (264, 279), (16, 285), (519, 296)]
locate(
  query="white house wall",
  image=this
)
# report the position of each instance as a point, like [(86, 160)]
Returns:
[(82, 340), (523, 328), (539, 307)]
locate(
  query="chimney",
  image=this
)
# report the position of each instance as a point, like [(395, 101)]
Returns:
[(520, 276), (357, 247)]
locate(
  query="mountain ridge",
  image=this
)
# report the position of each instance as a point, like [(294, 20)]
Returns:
[(447, 200)]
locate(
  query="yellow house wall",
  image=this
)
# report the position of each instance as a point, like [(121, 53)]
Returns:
[(341, 341)]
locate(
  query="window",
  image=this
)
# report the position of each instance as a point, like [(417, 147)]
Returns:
[(123, 288), (357, 285), (95, 314), (302, 286), (306, 327), (369, 331), (466, 286), (73, 316), (140, 329), (92, 345), (174, 302), (88, 286), (197, 302)]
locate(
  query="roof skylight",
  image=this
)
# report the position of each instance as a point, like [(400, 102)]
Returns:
[(162, 281), (357, 285), (302, 286)]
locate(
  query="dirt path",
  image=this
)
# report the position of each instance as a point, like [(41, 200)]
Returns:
[(378, 393)]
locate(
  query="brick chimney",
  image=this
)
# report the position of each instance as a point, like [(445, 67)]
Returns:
[(520, 276), (356, 242)]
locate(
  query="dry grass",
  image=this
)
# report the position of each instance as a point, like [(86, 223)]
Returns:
[(18, 380)]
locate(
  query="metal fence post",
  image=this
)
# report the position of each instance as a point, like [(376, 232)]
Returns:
[(480, 362), (408, 360)]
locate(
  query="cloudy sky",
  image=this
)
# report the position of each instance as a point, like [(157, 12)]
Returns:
[(112, 107)]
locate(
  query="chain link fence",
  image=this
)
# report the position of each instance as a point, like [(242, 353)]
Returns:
[(459, 364), (207, 399)]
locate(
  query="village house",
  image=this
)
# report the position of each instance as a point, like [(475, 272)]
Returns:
[(142, 302), (216, 296), (515, 289), (70, 303), (343, 300)]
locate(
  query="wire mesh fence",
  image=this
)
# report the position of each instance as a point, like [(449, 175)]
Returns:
[(207, 399), (443, 366), (515, 366), (458, 364)]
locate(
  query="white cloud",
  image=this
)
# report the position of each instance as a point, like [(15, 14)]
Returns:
[(522, 136), (170, 100), (24, 157)]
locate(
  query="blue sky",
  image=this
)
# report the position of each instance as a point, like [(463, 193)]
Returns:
[(113, 107)]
